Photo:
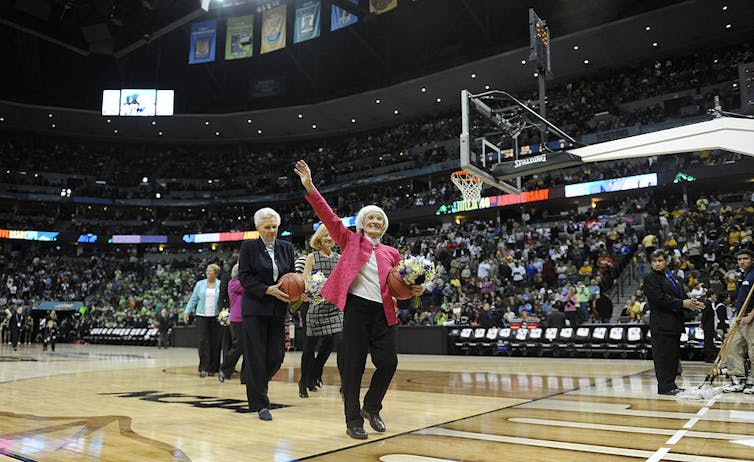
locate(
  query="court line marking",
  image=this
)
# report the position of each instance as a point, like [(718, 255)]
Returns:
[(658, 455), (691, 422), (676, 437)]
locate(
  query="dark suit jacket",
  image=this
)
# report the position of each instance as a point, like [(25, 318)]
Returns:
[(665, 303), (255, 275)]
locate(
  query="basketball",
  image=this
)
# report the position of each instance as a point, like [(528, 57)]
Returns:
[(293, 285), (398, 288)]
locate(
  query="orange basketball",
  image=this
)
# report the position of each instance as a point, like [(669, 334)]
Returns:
[(293, 285), (398, 288)]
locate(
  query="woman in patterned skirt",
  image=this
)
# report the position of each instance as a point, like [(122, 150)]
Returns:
[(324, 321)]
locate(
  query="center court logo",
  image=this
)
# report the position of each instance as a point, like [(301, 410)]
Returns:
[(204, 402)]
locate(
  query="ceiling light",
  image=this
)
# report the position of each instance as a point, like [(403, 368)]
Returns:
[(395, 112), (108, 120), (217, 133), (159, 133), (53, 125), (301, 116), (157, 195), (647, 28), (536, 74), (725, 7), (248, 121), (654, 44), (439, 100), (473, 76), (206, 122), (154, 122), (259, 131), (353, 121), (523, 61), (145, 180), (486, 87), (586, 61), (115, 131), (575, 47), (728, 26), (377, 101), (2, 119), (314, 126), (423, 90), (49, 115)]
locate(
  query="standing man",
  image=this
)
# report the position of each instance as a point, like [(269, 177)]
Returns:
[(17, 321), (667, 302), (743, 340)]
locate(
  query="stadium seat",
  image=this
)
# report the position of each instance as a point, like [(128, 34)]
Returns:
[(533, 343), (582, 340), (598, 342), (564, 343), (616, 341), (549, 339), (518, 341), (489, 344), (504, 341)]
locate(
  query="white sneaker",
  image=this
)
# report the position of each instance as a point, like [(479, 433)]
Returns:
[(749, 390), (735, 386)]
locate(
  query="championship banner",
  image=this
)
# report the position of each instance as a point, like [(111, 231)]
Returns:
[(238, 39), (341, 18), (273, 29), (203, 39), (306, 26), (382, 6)]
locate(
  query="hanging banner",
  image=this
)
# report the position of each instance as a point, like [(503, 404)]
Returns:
[(238, 39), (382, 6), (203, 39), (341, 18), (273, 29), (306, 26)]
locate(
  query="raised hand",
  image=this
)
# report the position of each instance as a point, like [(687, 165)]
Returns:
[(303, 171)]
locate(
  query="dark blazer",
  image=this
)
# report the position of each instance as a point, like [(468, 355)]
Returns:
[(665, 303), (255, 275)]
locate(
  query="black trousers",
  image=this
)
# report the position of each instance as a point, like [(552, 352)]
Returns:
[(236, 349), (264, 344), (710, 350), (15, 334), (365, 330), (313, 365), (666, 354), (209, 343)]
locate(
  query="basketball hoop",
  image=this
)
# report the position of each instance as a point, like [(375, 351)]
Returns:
[(469, 184)]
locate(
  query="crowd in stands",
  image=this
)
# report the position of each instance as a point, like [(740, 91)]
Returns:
[(489, 273)]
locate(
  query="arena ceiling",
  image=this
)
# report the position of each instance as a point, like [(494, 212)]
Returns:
[(62, 53)]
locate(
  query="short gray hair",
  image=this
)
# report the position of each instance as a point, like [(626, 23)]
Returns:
[(264, 214)]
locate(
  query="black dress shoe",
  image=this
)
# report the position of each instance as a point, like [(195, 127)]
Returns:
[(302, 393), (221, 376), (375, 421), (674, 391), (356, 433), (203, 374)]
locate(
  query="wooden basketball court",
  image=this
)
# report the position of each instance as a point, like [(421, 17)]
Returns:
[(121, 403)]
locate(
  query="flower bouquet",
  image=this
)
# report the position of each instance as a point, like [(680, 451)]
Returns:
[(416, 271), (313, 286), (224, 317)]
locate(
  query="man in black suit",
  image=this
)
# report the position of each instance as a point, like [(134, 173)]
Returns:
[(556, 318), (264, 307), (666, 301), (17, 321)]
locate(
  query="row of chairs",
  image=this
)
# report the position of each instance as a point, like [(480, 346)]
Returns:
[(586, 340), (123, 335)]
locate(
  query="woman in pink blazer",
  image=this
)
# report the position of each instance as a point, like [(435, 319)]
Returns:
[(358, 286)]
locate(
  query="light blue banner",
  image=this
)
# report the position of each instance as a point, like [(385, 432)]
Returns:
[(307, 24), (341, 18)]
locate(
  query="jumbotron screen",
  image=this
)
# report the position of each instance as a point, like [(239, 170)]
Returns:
[(137, 102)]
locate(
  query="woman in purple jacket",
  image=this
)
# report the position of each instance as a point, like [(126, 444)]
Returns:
[(236, 333), (358, 286)]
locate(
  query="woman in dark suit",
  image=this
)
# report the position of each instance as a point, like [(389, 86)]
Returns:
[(666, 301), (358, 286), (263, 306)]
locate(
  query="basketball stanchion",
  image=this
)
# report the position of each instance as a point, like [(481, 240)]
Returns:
[(706, 390), (469, 184)]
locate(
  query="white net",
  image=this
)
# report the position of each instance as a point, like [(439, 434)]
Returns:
[(469, 184)]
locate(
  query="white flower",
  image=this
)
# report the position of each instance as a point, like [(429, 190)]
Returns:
[(313, 286)]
